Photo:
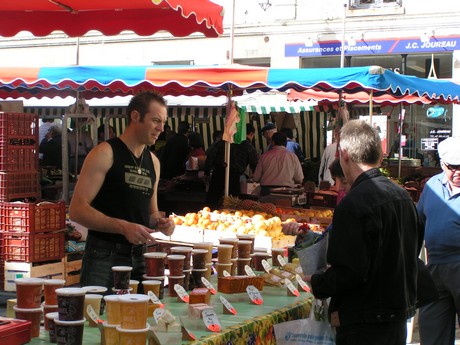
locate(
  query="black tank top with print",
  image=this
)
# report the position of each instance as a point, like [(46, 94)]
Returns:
[(125, 193)]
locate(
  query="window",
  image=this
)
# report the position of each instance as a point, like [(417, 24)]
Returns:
[(354, 4)]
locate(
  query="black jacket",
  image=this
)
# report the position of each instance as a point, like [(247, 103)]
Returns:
[(373, 248)]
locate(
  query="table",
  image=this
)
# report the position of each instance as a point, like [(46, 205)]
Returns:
[(252, 325)]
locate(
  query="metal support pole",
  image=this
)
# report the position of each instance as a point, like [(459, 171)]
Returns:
[(65, 151)]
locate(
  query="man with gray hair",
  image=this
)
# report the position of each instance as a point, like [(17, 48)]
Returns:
[(439, 208), (374, 244)]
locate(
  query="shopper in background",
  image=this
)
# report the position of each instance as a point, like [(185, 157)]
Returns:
[(197, 154), (374, 244), (329, 154), (175, 153), (116, 195), (216, 137), (43, 131), (101, 133), (267, 132), (242, 156), (78, 149), (293, 146), (439, 208), (51, 147), (341, 185), (278, 167)]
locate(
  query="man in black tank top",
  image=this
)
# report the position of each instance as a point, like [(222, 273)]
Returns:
[(116, 195)]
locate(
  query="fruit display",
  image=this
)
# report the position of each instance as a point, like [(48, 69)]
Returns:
[(234, 203), (239, 222), (320, 216)]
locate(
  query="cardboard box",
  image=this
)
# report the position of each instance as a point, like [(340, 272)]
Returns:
[(15, 270), (250, 188), (72, 269)]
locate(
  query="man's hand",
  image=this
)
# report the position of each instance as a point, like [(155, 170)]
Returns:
[(290, 228), (166, 226), (137, 234)]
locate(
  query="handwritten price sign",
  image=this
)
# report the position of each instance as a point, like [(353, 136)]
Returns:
[(183, 295), (208, 285), (227, 305), (210, 320), (254, 295)]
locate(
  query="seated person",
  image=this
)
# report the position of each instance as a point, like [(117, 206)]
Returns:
[(278, 167)]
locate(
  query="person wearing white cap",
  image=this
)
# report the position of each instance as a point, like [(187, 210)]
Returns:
[(439, 207), (267, 132)]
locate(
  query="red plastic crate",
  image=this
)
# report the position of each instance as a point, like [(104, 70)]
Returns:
[(19, 185), (33, 247), (32, 217), (19, 125), (16, 157), (14, 331)]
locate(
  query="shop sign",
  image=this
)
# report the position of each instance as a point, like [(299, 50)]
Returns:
[(429, 144), (440, 133), (375, 47)]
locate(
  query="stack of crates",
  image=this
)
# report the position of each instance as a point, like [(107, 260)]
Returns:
[(19, 172), (29, 232), (32, 234)]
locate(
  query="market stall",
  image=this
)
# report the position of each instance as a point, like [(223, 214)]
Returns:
[(251, 324), (99, 81), (76, 18)]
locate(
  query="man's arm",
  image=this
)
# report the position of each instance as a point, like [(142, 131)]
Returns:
[(94, 170)]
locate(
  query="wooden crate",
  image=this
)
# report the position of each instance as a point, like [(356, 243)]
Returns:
[(72, 268), (13, 270)]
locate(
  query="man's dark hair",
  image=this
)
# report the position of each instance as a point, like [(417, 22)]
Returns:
[(195, 140), (183, 127), (336, 169), (141, 103), (250, 129), (279, 139), (217, 135), (288, 132)]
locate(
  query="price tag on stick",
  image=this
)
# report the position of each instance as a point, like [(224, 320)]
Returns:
[(183, 295), (92, 314), (227, 305), (226, 274), (254, 295), (186, 334), (210, 320), (302, 284), (249, 271), (208, 285), (281, 260), (267, 267), (158, 314), (291, 287), (155, 299)]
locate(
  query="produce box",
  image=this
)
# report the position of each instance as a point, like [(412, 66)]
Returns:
[(317, 215), (187, 234), (19, 185), (322, 198), (13, 270), (74, 246), (33, 247), (31, 217)]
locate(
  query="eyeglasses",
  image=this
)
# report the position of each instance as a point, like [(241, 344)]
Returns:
[(452, 167)]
